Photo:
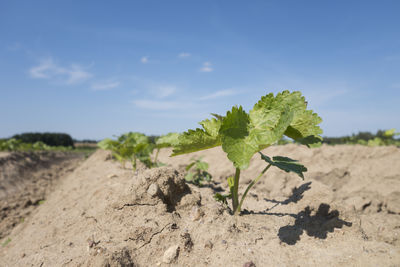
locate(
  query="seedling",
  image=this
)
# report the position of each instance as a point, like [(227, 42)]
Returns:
[(197, 172), (130, 147), (243, 134)]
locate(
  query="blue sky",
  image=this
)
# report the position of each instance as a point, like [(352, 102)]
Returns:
[(98, 68)]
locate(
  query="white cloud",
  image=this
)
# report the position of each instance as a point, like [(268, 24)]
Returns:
[(206, 67), (44, 70), (107, 85), (184, 55), (76, 74), (47, 69), (144, 60), (164, 91), (217, 94), (160, 104)]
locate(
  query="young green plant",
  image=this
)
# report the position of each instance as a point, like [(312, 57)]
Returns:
[(131, 147), (197, 172), (243, 134)]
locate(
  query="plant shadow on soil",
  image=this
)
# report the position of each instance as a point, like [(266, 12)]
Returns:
[(317, 225), (297, 195), (214, 186)]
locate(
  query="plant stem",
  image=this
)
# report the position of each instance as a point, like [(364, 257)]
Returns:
[(250, 186), (134, 163), (155, 159), (235, 195)]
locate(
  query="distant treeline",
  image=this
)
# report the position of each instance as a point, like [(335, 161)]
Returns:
[(50, 139), (63, 139), (386, 136), (87, 141)]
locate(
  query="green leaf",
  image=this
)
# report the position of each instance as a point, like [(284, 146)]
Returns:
[(199, 139), (189, 176), (390, 133), (218, 117), (236, 142), (202, 165), (222, 198), (305, 122), (310, 141), (167, 140), (139, 148), (269, 120), (190, 166), (195, 140), (286, 164), (206, 176), (231, 183), (243, 135), (211, 126)]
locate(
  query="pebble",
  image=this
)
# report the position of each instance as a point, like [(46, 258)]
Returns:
[(195, 213), (170, 254), (249, 264), (209, 244), (153, 190)]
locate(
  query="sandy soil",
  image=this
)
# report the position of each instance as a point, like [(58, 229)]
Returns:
[(345, 213), (26, 178)]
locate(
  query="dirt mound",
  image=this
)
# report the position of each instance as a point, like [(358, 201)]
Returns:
[(103, 215), (25, 180), (162, 184)]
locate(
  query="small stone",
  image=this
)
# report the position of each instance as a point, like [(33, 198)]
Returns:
[(249, 264), (209, 244), (187, 241), (153, 190), (170, 254), (195, 213), (112, 176)]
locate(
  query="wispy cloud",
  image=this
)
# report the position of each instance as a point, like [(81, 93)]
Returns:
[(206, 67), (47, 69), (106, 85), (76, 74), (184, 55), (144, 60), (164, 91), (161, 104), (217, 94), (44, 70)]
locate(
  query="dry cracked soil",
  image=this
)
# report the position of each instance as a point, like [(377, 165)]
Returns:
[(345, 213)]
